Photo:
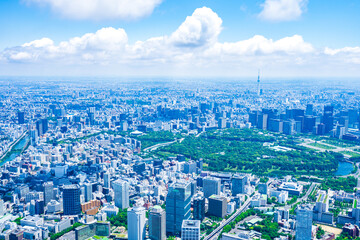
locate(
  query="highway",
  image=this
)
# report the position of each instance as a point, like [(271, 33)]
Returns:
[(223, 224), (154, 147)]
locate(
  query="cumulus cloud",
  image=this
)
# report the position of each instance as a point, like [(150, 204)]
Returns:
[(193, 46), (282, 10), (104, 43), (202, 28), (100, 9)]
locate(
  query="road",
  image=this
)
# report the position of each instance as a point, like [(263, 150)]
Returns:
[(313, 185), (154, 147), (218, 230)]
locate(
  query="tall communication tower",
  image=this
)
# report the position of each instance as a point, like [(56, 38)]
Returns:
[(258, 84)]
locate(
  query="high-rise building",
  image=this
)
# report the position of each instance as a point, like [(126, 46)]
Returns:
[(177, 207), (328, 121), (199, 208), (190, 167), (88, 192), (263, 188), (121, 189), (48, 188), (71, 199), (217, 206), (157, 223), (304, 217), (136, 223), (309, 124), (190, 230), (222, 122), (309, 110), (211, 186), (238, 183), (107, 180), (21, 117), (262, 121), (289, 127)]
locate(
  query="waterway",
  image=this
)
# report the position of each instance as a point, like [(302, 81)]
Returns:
[(19, 146), (344, 168)]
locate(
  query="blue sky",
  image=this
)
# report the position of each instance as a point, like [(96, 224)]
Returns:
[(326, 44)]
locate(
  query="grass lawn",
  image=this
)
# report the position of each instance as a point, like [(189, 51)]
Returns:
[(352, 154), (319, 145)]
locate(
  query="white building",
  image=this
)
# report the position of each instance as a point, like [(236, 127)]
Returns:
[(121, 190), (136, 223), (110, 210), (190, 230)]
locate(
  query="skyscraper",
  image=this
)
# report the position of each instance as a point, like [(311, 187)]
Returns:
[(211, 186), (199, 208), (88, 192), (121, 189), (48, 188), (71, 199), (309, 110), (177, 206), (107, 180), (157, 223), (217, 206), (238, 184), (136, 223), (21, 117), (304, 216)]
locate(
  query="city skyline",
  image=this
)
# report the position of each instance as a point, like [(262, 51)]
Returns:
[(284, 38)]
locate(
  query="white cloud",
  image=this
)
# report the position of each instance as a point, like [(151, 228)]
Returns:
[(192, 48), (346, 50), (259, 45), (282, 10), (102, 44), (100, 9), (202, 28)]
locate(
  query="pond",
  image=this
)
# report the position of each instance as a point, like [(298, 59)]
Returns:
[(344, 168)]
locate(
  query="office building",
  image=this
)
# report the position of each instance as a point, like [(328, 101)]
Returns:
[(177, 207), (107, 180), (263, 188), (309, 110), (71, 199), (48, 189), (190, 230), (217, 206), (21, 117), (88, 192), (199, 208), (157, 223), (304, 217), (289, 127), (211, 186), (121, 190), (238, 183), (190, 167), (262, 121), (136, 219)]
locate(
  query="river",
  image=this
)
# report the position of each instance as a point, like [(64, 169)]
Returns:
[(19, 146)]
